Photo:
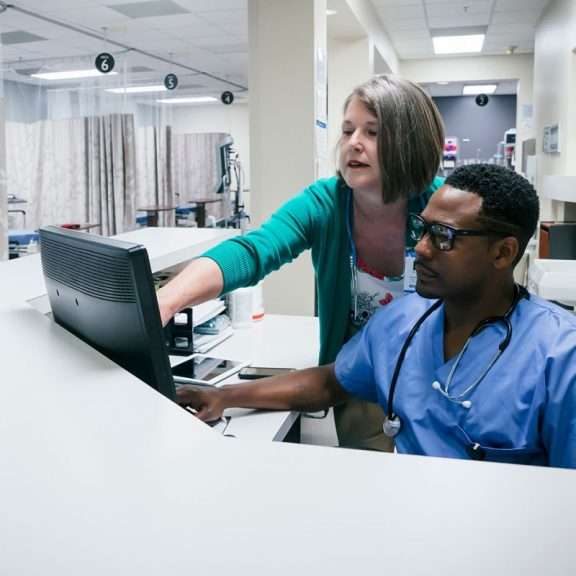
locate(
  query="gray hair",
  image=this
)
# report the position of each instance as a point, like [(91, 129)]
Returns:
[(410, 134)]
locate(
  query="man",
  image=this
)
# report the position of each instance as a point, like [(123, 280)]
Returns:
[(488, 372)]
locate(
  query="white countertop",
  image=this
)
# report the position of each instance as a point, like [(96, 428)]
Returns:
[(99, 474)]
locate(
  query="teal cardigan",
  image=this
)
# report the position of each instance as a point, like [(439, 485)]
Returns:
[(314, 219)]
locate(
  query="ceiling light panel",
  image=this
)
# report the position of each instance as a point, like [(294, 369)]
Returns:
[(468, 44), (138, 89), (473, 89), (191, 100), (71, 74)]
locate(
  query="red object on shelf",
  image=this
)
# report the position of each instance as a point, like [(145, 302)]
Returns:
[(70, 226)]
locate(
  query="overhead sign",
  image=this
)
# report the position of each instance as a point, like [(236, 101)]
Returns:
[(104, 63), (227, 97), (171, 81), (482, 99)]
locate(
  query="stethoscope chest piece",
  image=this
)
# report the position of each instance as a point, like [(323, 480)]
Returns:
[(391, 426)]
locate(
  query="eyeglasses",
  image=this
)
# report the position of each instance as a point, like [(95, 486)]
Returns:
[(442, 235)]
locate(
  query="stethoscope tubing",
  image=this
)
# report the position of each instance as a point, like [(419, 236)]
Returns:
[(390, 415)]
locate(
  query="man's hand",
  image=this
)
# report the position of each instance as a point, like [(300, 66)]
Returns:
[(206, 401)]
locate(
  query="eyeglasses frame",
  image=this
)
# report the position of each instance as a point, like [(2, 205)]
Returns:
[(454, 232)]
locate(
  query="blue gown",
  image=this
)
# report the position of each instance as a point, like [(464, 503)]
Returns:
[(523, 411)]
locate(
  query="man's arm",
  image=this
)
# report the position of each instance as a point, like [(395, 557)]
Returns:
[(307, 390)]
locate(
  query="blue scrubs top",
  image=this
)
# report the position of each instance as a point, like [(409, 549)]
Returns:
[(523, 411)]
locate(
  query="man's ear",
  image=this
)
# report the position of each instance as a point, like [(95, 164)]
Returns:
[(505, 252)]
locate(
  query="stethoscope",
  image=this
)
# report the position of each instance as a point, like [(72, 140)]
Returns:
[(392, 422)]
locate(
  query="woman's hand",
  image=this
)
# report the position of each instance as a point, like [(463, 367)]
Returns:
[(206, 401)]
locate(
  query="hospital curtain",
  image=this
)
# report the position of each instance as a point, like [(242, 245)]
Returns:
[(154, 181), (110, 170), (196, 169), (45, 165)]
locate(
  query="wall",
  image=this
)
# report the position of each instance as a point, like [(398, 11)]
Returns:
[(348, 65), (484, 126), (3, 195), (24, 102), (555, 94), (482, 68), (287, 40)]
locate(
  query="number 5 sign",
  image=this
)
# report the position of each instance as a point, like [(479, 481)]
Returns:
[(104, 63)]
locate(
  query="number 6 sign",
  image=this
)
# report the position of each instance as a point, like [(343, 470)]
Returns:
[(104, 63)]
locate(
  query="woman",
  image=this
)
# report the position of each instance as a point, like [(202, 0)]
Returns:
[(354, 223)]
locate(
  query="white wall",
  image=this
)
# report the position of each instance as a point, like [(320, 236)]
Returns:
[(3, 197), (555, 93), (384, 53), (286, 42), (349, 64), (482, 68)]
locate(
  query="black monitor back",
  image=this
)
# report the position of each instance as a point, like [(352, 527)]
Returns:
[(102, 291)]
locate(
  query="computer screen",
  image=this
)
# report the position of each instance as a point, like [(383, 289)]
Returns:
[(101, 290)]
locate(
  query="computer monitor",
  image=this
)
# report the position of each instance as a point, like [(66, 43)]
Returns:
[(101, 290)]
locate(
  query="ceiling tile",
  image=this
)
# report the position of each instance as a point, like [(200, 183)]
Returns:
[(149, 9), (214, 5), (529, 17), (460, 3), (387, 3), (19, 37), (401, 25), (511, 5), (458, 21), (402, 12)]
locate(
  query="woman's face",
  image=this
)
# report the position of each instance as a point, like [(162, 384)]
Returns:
[(359, 164)]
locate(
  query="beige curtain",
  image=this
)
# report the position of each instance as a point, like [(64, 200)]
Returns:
[(196, 169), (110, 171), (154, 175), (45, 166)]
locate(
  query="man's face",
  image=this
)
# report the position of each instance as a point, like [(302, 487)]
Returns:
[(461, 271)]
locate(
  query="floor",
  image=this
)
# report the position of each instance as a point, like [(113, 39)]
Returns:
[(319, 431)]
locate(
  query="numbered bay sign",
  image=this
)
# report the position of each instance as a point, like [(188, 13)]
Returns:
[(227, 97), (170, 81), (104, 63), (482, 100)]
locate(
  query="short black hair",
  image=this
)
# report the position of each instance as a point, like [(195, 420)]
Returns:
[(506, 197)]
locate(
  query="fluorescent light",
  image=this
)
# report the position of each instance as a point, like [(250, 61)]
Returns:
[(458, 44), (71, 74), (442, 83), (190, 100), (331, 12), (138, 89), (473, 89)]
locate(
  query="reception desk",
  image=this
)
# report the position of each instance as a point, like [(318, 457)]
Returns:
[(99, 474)]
